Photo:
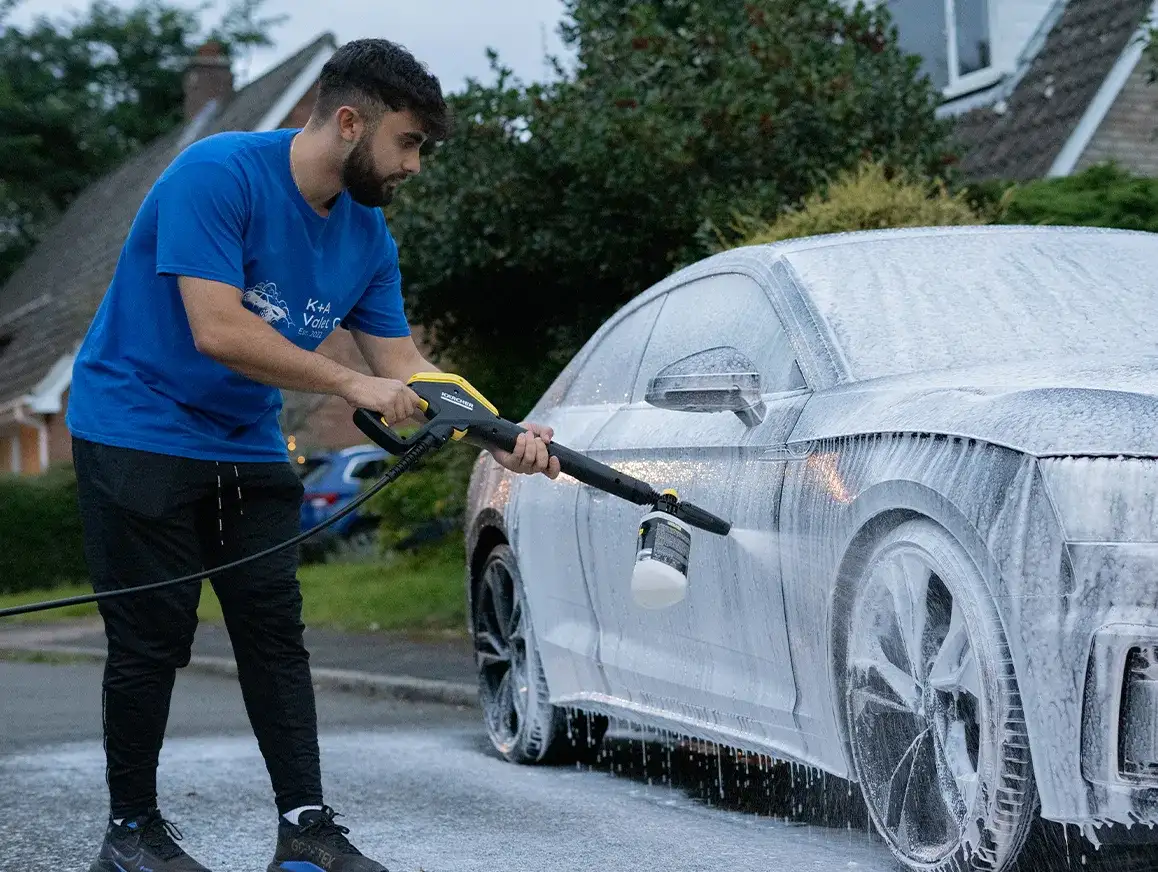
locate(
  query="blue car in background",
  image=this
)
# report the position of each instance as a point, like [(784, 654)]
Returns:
[(332, 480)]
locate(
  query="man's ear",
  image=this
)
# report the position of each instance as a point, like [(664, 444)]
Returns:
[(350, 124)]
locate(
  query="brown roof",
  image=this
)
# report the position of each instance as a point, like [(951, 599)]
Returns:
[(1044, 109), (46, 306)]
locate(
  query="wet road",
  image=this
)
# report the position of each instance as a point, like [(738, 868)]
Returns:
[(416, 784), (419, 788)]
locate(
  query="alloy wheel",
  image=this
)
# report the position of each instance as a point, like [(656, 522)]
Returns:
[(501, 654), (915, 707)]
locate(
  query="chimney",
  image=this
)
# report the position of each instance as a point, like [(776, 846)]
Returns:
[(208, 76)]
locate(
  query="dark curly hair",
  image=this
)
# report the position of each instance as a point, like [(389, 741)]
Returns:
[(375, 75)]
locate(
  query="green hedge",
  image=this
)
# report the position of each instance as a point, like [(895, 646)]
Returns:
[(40, 532), (1102, 196)]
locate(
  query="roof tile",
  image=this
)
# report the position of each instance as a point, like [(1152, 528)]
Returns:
[(1047, 104)]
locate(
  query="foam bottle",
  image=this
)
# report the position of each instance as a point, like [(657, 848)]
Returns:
[(660, 577)]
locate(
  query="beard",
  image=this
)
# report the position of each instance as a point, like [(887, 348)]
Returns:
[(365, 185)]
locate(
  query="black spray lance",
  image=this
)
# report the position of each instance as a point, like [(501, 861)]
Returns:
[(457, 411)]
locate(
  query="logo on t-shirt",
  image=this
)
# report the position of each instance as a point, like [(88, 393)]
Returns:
[(318, 322), (263, 299)]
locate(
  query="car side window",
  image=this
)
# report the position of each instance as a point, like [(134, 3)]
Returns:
[(608, 373), (729, 311), (366, 470)]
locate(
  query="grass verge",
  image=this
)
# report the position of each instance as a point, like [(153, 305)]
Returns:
[(52, 658), (419, 592)]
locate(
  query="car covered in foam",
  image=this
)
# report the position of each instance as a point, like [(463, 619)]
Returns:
[(939, 451)]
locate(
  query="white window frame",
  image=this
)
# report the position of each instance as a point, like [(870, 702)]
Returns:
[(979, 79), (959, 85)]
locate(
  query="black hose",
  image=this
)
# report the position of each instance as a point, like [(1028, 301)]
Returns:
[(405, 462)]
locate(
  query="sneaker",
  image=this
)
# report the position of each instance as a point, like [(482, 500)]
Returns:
[(317, 844), (143, 844)]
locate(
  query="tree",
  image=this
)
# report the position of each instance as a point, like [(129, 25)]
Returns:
[(555, 203), (79, 96)]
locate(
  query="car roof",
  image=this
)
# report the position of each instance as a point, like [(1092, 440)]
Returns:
[(361, 449), (861, 237), (935, 288), (352, 451)]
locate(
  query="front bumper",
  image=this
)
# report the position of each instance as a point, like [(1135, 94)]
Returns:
[(1078, 636), (1085, 613), (1120, 723)]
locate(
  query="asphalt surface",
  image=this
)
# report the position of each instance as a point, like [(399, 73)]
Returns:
[(417, 784), (422, 791)]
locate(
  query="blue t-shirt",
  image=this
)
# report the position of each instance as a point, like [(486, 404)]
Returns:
[(226, 209)]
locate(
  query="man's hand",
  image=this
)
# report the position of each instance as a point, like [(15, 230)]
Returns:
[(530, 454), (391, 399)]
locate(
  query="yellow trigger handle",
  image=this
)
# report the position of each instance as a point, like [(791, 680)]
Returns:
[(446, 378), (422, 404), (450, 380)]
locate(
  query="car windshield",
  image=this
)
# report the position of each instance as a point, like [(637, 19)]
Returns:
[(899, 305)]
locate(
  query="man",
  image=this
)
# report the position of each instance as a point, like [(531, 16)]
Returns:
[(246, 253)]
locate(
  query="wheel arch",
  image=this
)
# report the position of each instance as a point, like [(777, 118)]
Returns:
[(487, 532)]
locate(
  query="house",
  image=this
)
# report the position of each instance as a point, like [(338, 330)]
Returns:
[(47, 305), (1039, 88)]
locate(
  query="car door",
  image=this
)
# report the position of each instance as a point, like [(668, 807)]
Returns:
[(542, 520), (722, 654)]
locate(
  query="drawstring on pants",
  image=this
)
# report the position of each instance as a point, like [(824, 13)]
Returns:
[(220, 501), (220, 509)]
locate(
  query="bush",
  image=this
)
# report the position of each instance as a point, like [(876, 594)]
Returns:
[(426, 502), (41, 531), (867, 198), (1102, 196)]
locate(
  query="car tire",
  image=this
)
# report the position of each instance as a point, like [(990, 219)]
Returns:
[(522, 724), (935, 723)]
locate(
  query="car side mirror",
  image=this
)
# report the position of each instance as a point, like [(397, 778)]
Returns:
[(715, 380)]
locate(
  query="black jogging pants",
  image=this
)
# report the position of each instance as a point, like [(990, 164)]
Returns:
[(149, 517)]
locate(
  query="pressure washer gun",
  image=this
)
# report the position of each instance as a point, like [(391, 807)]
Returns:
[(456, 411)]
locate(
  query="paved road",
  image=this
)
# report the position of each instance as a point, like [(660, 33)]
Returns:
[(416, 783), (418, 786)]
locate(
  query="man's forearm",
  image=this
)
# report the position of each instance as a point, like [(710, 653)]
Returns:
[(392, 358), (419, 364), (256, 350)]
